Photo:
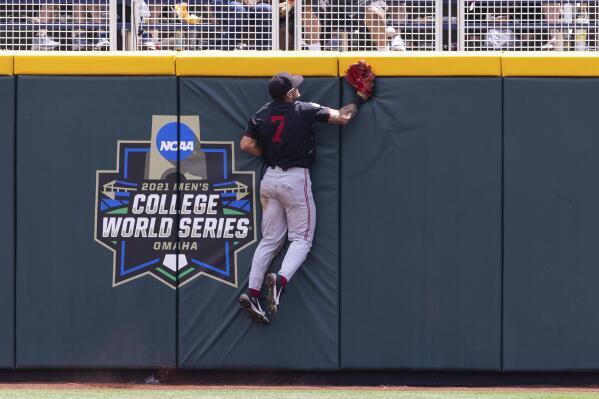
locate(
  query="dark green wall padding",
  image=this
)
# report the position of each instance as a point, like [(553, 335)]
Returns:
[(68, 313), (304, 334), (551, 224), (421, 226), (456, 230), (7, 226)]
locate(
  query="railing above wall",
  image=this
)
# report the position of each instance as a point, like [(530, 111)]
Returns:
[(137, 25), (55, 25), (529, 25), (328, 25)]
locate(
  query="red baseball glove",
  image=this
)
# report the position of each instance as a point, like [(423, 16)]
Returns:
[(361, 77)]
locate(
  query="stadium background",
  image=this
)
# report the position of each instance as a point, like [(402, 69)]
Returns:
[(457, 222), (412, 25)]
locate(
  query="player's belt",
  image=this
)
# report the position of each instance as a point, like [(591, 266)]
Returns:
[(278, 168), (285, 169)]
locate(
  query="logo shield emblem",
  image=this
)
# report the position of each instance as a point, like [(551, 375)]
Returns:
[(175, 207)]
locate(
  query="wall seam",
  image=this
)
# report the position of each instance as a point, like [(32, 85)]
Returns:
[(14, 227), (502, 219), (339, 222), (177, 216)]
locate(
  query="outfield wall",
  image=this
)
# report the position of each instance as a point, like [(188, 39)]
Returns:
[(456, 218)]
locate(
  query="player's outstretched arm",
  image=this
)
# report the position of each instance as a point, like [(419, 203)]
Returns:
[(361, 77), (250, 145), (343, 115)]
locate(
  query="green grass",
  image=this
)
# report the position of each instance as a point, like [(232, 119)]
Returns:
[(105, 393)]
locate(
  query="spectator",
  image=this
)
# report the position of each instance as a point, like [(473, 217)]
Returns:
[(149, 14), (287, 25), (341, 14), (41, 42), (83, 16), (186, 39), (182, 10), (500, 39), (236, 22), (251, 19)]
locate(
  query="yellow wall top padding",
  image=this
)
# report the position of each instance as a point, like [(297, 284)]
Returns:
[(6, 63), (308, 63), (548, 64), (101, 63), (426, 63), (256, 63)]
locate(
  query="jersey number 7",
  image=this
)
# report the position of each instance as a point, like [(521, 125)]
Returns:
[(281, 120)]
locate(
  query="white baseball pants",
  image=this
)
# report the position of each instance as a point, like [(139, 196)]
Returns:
[(287, 209)]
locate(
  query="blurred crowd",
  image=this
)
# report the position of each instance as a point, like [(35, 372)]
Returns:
[(212, 24)]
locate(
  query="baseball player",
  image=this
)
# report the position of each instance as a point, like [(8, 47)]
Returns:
[(281, 132)]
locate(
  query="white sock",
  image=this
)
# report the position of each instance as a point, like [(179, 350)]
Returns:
[(314, 46), (385, 48)]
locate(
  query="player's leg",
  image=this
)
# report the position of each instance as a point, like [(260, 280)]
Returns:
[(301, 221), (274, 227), (295, 194)]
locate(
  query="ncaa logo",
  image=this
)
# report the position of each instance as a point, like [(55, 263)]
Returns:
[(170, 146), (176, 207)]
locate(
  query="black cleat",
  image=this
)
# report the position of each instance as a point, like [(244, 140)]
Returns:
[(275, 289), (251, 304)]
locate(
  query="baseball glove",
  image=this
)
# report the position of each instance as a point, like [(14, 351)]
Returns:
[(361, 77)]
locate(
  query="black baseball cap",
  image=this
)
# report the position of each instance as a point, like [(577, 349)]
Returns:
[(281, 83)]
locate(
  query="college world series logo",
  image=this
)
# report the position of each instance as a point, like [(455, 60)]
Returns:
[(175, 208)]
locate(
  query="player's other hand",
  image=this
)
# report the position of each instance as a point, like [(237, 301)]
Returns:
[(361, 77)]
